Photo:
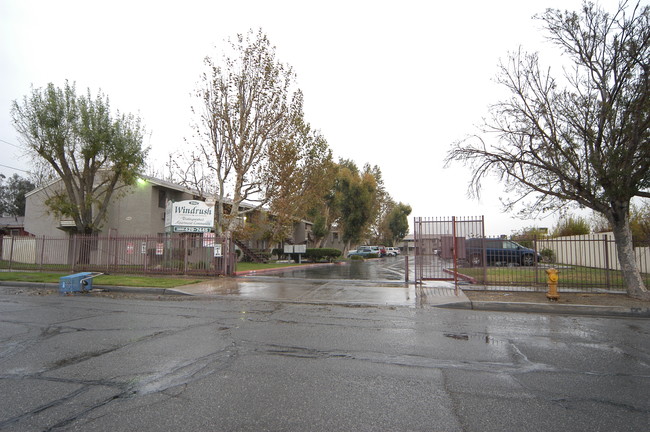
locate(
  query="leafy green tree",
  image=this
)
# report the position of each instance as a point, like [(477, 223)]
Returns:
[(584, 139), (320, 229), (12, 195), (398, 223), (382, 206), (527, 235), (640, 224), (570, 226), (325, 212), (300, 167), (356, 199), (92, 151)]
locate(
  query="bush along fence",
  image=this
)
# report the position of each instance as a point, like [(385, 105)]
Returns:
[(196, 254), (585, 263), (312, 254)]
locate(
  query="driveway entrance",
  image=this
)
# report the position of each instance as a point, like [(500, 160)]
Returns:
[(440, 243), (389, 269), (372, 282)]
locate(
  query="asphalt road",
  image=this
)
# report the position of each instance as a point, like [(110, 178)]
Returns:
[(86, 363)]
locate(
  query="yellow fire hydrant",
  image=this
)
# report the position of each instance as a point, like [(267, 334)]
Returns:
[(552, 279)]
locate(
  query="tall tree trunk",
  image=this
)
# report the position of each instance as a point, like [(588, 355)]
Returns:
[(346, 248), (625, 249)]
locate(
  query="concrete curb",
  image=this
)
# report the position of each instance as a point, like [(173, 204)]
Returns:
[(560, 309), (493, 306), (30, 285), (141, 290)]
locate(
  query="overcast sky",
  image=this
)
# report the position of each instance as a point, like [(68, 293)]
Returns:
[(391, 83)]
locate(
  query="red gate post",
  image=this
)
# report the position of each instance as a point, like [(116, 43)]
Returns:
[(406, 267), (185, 254), (74, 252), (607, 277), (454, 251), (484, 251), (40, 267), (11, 252)]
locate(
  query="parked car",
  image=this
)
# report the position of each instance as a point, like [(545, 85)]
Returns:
[(499, 252), (365, 251), (391, 251)]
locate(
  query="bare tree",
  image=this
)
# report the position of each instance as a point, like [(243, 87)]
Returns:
[(583, 139), (247, 107)]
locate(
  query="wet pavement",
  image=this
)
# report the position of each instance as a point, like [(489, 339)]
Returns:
[(378, 282), (84, 363)]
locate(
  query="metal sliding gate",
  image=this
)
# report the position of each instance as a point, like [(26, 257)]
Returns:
[(440, 245)]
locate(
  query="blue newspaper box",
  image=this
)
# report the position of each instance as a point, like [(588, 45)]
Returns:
[(77, 282)]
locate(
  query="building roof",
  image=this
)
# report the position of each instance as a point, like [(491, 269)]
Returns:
[(12, 221), (153, 180), (170, 185)]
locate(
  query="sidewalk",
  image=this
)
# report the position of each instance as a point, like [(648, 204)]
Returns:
[(365, 293)]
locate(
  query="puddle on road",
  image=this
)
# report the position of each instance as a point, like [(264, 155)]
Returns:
[(464, 337), (353, 270)]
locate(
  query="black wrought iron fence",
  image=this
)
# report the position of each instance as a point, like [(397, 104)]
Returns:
[(585, 263), (204, 254)]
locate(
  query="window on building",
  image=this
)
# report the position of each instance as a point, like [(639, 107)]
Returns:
[(162, 198)]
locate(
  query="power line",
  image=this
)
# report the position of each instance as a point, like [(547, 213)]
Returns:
[(11, 144), (17, 169)]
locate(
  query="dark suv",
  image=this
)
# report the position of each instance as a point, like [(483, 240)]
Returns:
[(499, 252)]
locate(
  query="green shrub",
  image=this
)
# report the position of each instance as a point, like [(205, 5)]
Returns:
[(571, 226), (548, 255), (328, 254), (260, 252), (356, 258), (319, 254)]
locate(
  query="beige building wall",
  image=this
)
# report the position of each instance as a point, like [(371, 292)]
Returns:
[(137, 210), (38, 219)]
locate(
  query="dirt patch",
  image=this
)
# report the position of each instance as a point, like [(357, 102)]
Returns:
[(565, 298), (28, 291)]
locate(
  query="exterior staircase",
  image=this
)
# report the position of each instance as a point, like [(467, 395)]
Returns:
[(249, 252)]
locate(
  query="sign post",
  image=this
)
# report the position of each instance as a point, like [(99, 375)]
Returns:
[(296, 249)]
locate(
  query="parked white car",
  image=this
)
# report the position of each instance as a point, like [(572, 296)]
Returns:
[(392, 251)]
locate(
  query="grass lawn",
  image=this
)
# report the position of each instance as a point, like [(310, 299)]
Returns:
[(569, 276), (113, 280), (130, 280)]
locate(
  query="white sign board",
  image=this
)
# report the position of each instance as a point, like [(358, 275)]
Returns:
[(190, 213), (299, 249), (217, 250)]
